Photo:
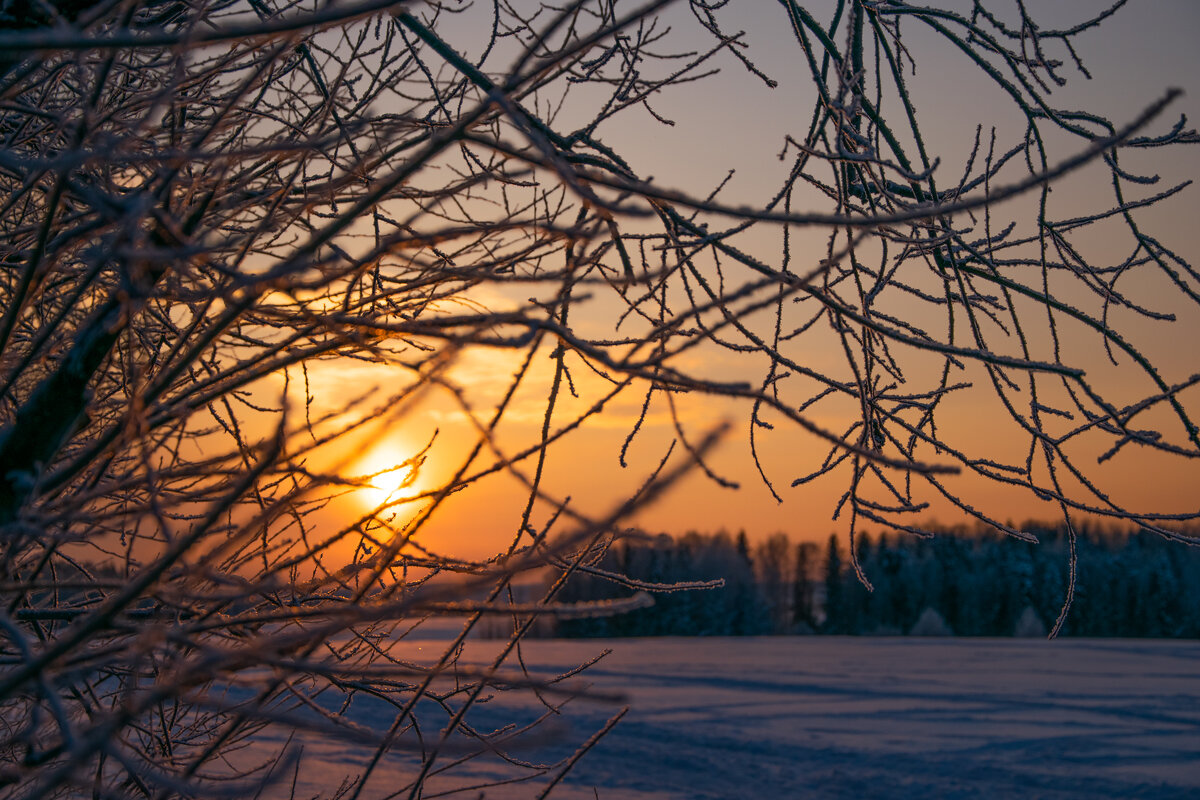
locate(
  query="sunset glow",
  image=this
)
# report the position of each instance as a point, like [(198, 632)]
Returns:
[(391, 475)]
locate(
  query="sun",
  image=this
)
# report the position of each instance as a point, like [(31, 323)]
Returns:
[(389, 474)]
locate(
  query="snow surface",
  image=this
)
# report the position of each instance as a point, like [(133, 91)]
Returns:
[(831, 717)]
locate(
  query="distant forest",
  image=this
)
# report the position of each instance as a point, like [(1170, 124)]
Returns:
[(956, 583)]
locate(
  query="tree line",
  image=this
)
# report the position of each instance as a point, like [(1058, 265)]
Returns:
[(960, 582)]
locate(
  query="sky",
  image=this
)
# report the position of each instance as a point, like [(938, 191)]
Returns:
[(734, 121)]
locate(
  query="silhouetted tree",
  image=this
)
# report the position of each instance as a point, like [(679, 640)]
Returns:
[(774, 573), (803, 586), (835, 604)]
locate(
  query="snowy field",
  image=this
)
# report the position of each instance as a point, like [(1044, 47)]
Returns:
[(824, 717)]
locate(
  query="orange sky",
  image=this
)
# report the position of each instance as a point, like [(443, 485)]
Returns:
[(735, 122)]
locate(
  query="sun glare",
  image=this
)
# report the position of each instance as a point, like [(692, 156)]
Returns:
[(389, 474)]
